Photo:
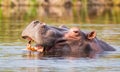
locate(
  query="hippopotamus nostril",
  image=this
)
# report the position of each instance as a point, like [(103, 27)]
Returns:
[(43, 25), (36, 22)]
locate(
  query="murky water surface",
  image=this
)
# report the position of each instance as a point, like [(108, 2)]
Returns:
[(14, 59)]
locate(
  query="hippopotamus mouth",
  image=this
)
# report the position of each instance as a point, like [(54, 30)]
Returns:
[(41, 47), (43, 35), (27, 37), (37, 47)]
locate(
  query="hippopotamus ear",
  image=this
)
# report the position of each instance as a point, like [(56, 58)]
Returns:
[(91, 35)]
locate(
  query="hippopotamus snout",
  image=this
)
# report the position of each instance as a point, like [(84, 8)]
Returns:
[(42, 34), (31, 30)]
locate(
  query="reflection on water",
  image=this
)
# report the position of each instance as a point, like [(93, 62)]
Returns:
[(11, 60), (105, 20)]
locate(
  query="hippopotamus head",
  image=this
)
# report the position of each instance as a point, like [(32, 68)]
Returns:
[(41, 33), (82, 44), (85, 44), (76, 34)]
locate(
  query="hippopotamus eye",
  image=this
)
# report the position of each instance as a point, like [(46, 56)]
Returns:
[(75, 31)]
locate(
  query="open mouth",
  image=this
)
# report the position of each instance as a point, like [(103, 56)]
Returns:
[(44, 47), (36, 48)]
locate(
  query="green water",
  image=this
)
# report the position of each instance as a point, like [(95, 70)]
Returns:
[(105, 21)]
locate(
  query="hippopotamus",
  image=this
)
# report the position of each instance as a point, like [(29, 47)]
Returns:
[(62, 41)]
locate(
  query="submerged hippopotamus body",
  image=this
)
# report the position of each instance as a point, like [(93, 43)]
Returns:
[(62, 41)]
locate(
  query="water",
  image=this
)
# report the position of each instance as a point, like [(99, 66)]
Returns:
[(14, 59)]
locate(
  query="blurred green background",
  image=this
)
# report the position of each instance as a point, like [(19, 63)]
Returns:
[(61, 11)]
